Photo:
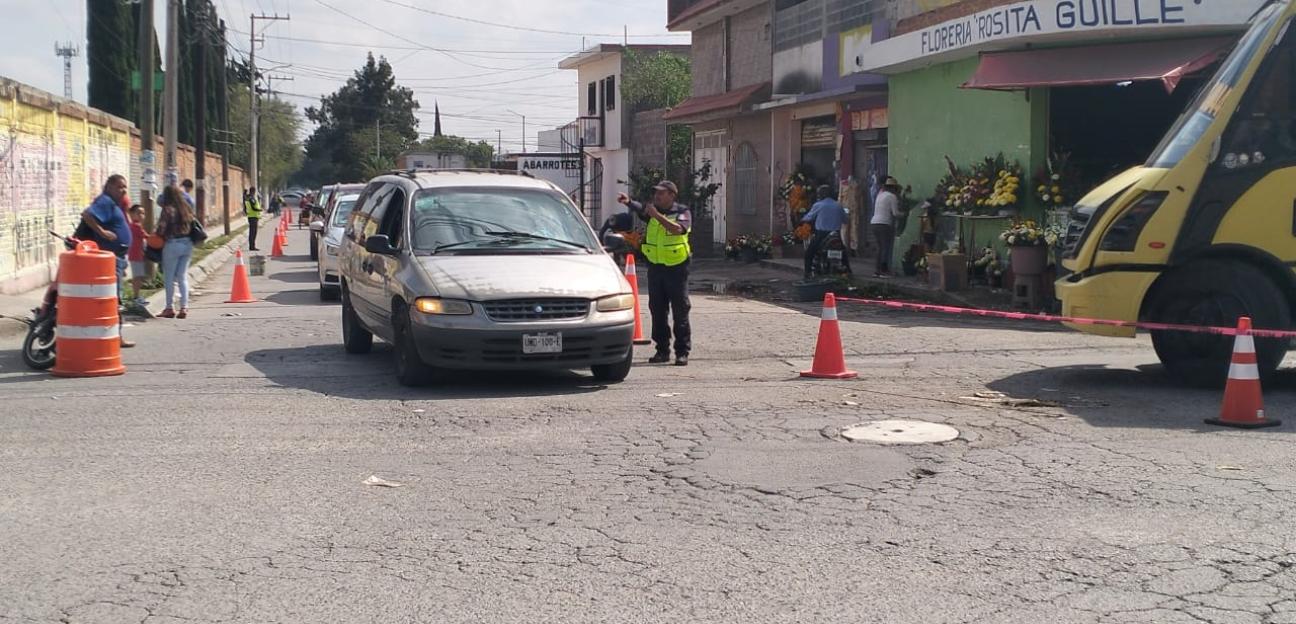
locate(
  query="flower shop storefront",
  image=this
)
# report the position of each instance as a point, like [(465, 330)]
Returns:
[(1000, 120)]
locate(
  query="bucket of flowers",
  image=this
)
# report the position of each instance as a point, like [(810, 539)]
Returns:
[(1029, 245), (787, 245), (748, 248)]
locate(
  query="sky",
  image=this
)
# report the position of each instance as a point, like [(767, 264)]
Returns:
[(492, 67)]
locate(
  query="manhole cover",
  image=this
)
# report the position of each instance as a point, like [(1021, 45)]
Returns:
[(900, 432)]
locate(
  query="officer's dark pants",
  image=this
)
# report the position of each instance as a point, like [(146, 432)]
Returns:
[(252, 231), (668, 294)]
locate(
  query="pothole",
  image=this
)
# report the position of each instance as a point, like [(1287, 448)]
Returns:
[(900, 432)]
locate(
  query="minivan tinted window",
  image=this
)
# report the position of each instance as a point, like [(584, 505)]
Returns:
[(481, 218)]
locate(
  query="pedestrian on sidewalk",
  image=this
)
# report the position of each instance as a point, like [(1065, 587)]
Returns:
[(666, 247), (175, 226), (252, 210), (135, 255), (105, 223), (188, 186), (886, 211), (826, 216)]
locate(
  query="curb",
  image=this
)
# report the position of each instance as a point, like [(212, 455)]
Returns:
[(905, 289), (199, 273)]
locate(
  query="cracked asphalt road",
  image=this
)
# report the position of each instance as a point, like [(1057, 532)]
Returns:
[(221, 480)]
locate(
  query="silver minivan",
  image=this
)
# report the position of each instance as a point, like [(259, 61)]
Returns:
[(481, 270)]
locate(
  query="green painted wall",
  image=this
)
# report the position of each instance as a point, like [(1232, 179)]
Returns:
[(931, 117)]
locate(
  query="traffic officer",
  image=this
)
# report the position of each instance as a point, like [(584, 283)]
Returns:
[(666, 247), (252, 210)]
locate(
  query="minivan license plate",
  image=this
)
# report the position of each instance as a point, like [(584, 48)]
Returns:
[(835, 254), (541, 343)]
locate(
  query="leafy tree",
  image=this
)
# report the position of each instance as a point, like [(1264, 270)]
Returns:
[(370, 112), (479, 154), (280, 150), (111, 33), (657, 80)]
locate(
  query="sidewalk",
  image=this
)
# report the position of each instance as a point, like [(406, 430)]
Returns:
[(21, 305), (907, 287)]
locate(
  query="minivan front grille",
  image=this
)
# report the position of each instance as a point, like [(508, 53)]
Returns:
[(523, 310)]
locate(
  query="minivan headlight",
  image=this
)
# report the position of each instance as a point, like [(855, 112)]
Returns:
[(1123, 235), (615, 303), (435, 305)]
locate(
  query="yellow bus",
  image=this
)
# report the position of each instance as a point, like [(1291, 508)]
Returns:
[(1205, 232)]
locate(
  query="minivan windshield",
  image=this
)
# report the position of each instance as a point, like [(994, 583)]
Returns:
[(1199, 116), (467, 219)]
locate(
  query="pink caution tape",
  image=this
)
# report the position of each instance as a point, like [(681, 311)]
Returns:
[(1050, 318)]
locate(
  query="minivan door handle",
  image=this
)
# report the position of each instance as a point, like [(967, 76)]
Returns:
[(367, 266)]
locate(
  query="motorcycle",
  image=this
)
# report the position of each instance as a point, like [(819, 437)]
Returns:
[(832, 258), (42, 327)]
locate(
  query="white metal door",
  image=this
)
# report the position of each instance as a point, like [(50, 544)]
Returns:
[(719, 159)]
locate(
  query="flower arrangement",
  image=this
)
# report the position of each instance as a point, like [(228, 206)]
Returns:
[(1057, 184), (798, 192), (990, 186), (760, 245), (789, 238), (1030, 234), (804, 232)]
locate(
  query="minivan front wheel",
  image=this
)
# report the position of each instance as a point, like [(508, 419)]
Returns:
[(614, 373), (355, 337), (411, 370)]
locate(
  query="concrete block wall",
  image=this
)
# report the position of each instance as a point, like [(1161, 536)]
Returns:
[(55, 155), (751, 54), (648, 140)]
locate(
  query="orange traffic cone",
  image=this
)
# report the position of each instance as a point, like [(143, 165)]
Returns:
[(829, 361), (240, 291), (1243, 405), (632, 276), (283, 234), (277, 251)]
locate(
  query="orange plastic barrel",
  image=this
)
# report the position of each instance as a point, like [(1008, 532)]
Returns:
[(88, 338)]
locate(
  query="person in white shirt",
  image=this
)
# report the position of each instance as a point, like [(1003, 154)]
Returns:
[(886, 211)]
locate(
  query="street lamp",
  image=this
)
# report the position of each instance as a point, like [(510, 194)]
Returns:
[(523, 127)]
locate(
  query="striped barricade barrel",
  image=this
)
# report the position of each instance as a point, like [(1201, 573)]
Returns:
[(89, 331)]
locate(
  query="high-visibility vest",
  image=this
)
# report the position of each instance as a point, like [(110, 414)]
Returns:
[(252, 208), (662, 247)]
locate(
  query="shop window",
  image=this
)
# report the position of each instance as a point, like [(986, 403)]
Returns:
[(1264, 128), (745, 178)]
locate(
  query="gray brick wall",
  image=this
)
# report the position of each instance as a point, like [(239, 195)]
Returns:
[(648, 140), (708, 60), (753, 59)]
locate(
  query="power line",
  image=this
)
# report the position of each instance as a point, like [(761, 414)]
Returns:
[(354, 44), (523, 28)]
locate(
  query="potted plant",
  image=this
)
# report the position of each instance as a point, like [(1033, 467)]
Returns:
[(912, 257), (747, 248), (1028, 245)]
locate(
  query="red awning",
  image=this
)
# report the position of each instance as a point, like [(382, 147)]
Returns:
[(695, 106), (1167, 61)]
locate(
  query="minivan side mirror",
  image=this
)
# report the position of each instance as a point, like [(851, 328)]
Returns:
[(379, 244), (615, 243)]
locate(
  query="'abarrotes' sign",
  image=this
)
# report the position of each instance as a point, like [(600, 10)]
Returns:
[(1041, 20)]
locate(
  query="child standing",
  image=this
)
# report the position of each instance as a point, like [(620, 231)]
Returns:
[(136, 252)]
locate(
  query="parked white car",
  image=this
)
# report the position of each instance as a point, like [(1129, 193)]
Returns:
[(330, 239)]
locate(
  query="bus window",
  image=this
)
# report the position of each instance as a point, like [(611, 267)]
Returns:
[(1199, 116), (1262, 129)]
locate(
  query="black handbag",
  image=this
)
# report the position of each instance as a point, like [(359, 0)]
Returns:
[(152, 255), (196, 233)]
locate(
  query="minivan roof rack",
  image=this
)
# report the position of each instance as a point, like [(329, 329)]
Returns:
[(411, 173)]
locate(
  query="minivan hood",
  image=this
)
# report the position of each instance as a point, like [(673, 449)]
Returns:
[(486, 278)]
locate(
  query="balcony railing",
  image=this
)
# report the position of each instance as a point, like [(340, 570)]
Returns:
[(590, 129)]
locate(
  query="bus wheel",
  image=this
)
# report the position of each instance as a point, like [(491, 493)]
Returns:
[(1215, 294)]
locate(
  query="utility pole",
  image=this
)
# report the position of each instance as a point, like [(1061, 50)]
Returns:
[(148, 156), (171, 92), (203, 31), (252, 91), (499, 144), (524, 144), (223, 103), (68, 52)]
